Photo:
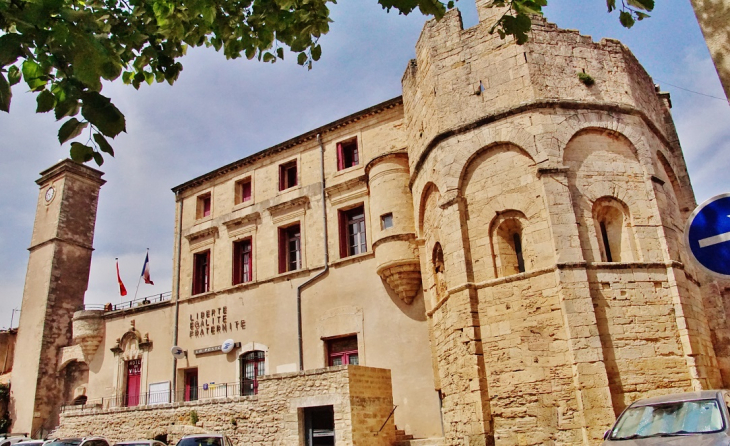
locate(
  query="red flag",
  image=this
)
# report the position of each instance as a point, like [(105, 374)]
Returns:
[(122, 290)]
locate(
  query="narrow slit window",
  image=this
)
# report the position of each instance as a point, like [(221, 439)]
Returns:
[(606, 244), (518, 252)]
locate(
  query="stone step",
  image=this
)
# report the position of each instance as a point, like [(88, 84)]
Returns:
[(435, 441), (403, 437)]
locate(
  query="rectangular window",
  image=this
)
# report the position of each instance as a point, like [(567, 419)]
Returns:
[(352, 232), (288, 175), (347, 155), (290, 249), (342, 351), (386, 221), (243, 191), (201, 272), (203, 207), (242, 262)]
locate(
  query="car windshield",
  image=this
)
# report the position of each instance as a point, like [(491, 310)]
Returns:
[(669, 419), (200, 441), (131, 444)]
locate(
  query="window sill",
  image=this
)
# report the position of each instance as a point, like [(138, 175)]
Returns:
[(243, 204), (289, 189), (348, 170), (352, 259), (203, 219)]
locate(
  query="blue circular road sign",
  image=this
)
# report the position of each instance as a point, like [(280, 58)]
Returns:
[(708, 235)]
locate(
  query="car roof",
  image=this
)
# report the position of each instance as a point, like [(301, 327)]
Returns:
[(202, 435), (677, 397), (137, 441)]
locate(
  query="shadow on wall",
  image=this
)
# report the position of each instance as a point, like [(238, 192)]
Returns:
[(416, 310)]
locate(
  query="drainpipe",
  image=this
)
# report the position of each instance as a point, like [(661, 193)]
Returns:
[(177, 296), (326, 259)]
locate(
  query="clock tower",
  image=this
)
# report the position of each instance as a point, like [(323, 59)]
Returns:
[(55, 283)]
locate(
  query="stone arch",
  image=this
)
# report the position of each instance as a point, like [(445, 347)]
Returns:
[(613, 232), (603, 163), (632, 132), (506, 235), (474, 157), (673, 207), (429, 189), (131, 346), (244, 353), (500, 179)]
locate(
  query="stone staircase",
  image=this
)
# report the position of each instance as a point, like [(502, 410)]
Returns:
[(403, 439)]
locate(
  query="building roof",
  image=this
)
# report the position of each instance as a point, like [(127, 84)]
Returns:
[(290, 143)]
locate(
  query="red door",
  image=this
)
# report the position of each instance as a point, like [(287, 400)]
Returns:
[(134, 371)]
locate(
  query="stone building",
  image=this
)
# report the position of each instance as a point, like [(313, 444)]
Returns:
[(496, 257)]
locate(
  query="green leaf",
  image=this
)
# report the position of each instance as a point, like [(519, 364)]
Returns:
[(641, 15), (280, 52), (99, 111), (268, 57), (646, 5), (46, 102), (301, 58), (103, 144), (71, 129), (5, 94), (13, 75), (316, 52), (81, 153), (611, 4), (98, 158), (10, 48), (626, 19), (66, 107), (33, 75)]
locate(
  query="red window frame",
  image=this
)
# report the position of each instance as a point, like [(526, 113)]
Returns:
[(203, 208), (288, 175), (290, 248), (242, 261), (201, 272), (243, 190), (347, 154), (342, 351), (191, 385), (253, 365), (353, 235)]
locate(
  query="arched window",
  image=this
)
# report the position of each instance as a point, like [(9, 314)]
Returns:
[(508, 247), (612, 230), (439, 271), (252, 366), (80, 400)]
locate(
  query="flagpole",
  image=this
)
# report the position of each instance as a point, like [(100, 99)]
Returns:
[(140, 276)]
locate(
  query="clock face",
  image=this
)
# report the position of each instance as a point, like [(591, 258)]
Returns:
[(50, 193)]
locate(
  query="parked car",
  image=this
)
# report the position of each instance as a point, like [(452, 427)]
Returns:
[(13, 440), (30, 443), (140, 443), (205, 440), (693, 418), (85, 441)]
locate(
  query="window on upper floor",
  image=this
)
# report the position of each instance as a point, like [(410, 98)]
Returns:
[(352, 232), (386, 221), (201, 272), (508, 247), (288, 175), (290, 248), (347, 154), (341, 351), (242, 261), (243, 190), (203, 206), (612, 230)]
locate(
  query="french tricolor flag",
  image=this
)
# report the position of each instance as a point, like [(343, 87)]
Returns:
[(146, 270)]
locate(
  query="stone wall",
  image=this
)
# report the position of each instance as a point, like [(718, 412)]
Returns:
[(361, 398)]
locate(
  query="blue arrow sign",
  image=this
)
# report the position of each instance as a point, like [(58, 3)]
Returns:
[(708, 235)]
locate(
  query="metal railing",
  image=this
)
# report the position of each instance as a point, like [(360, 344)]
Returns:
[(204, 392), (162, 297)]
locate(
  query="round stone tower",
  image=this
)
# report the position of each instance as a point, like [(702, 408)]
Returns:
[(394, 242), (549, 192)]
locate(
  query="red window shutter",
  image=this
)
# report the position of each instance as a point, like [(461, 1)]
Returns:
[(282, 250), (250, 260), (246, 192), (340, 157), (207, 272), (196, 270), (206, 206), (343, 233), (282, 178), (236, 263)]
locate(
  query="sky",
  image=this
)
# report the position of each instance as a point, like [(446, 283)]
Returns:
[(223, 110)]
